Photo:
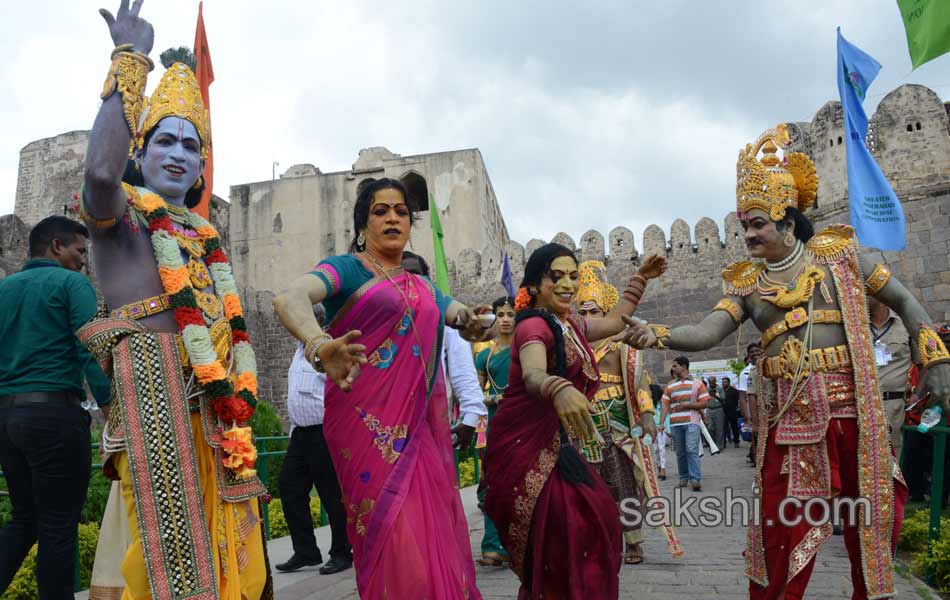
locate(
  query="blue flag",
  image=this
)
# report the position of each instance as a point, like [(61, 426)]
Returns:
[(876, 213), (506, 277)]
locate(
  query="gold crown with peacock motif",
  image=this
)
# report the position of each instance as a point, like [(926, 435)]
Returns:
[(177, 95), (774, 184), (594, 287)]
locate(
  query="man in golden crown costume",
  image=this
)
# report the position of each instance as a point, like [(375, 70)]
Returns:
[(622, 411), (822, 429), (175, 343)]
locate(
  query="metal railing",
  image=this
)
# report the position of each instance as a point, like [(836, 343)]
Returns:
[(262, 472), (939, 434)]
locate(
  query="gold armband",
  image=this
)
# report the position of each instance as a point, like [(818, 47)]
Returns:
[(877, 279), (733, 308), (662, 332), (91, 221), (127, 75), (931, 348)]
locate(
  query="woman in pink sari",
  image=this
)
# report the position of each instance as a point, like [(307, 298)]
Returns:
[(555, 515), (389, 441)]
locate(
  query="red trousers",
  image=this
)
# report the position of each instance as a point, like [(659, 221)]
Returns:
[(780, 540)]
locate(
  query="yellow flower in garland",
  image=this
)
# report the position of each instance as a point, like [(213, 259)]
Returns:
[(241, 454)]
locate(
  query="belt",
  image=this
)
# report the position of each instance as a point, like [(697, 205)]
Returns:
[(60, 398), (894, 395), (609, 393), (144, 308), (818, 360), (796, 318), (608, 378)]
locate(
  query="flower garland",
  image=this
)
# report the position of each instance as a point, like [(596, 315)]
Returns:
[(233, 402)]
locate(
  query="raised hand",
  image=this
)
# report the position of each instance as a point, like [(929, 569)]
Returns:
[(127, 27), (652, 267), (341, 359)]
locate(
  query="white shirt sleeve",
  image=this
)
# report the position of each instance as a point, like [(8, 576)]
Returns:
[(743, 384), (464, 379)]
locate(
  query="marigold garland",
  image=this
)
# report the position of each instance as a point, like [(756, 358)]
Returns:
[(234, 407)]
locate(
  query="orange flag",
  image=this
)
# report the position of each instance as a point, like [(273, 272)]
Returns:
[(204, 73)]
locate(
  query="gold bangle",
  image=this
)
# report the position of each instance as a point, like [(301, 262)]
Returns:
[(930, 347), (662, 332), (128, 74), (312, 347)]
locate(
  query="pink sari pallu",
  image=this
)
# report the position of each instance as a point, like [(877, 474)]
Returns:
[(390, 451)]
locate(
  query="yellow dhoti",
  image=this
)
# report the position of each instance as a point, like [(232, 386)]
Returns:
[(234, 528)]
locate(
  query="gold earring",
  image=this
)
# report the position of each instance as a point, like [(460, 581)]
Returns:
[(198, 183), (789, 239)]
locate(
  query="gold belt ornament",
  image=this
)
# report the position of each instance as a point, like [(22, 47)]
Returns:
[(797, 317), (785, 365), (609, 393), (608, 378), (144, 308)]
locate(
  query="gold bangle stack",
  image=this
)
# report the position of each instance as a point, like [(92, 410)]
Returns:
[(128, 74), (931, 348), (312, 347)]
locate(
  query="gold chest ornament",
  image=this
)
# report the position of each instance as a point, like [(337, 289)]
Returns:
[(796, 292)]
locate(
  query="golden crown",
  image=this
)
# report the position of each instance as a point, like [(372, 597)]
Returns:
[(773, 184), (177, 95), (594, 286)]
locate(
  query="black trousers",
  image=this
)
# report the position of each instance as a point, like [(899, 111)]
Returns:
[(46, 458), (732, 426), (308, 464)]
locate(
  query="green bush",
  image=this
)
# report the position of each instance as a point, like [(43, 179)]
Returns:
[(914, 530), (23, 586), (266, 423), (96, 497), (467, 472), (278, 522)]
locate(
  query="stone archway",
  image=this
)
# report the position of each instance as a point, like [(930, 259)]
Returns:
[(418, 190)]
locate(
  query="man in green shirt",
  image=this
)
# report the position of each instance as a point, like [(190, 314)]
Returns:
[(44, 431)]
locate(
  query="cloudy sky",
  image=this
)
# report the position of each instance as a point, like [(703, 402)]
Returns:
[(588, 114)]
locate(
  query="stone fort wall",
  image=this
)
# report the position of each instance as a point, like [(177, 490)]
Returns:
[(909, 136)]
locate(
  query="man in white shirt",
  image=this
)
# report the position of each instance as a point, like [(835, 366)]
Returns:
[(461, 379), (308, 464), (746, 388)]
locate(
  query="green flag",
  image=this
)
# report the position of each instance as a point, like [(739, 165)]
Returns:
[(928, 28), (441, 267)]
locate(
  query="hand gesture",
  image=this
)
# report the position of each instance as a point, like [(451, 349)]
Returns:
[(470, 328), (937, 384), (573, 409), (652, 267), (463, 436), (341, 359), (639, 335), (126, 27)]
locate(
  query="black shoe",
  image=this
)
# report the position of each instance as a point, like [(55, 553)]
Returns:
[(296, 562), (335, 565)]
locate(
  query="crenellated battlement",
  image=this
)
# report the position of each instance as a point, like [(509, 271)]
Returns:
[(707, 241)]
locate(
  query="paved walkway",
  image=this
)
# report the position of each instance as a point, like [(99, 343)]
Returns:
[(712, 567)]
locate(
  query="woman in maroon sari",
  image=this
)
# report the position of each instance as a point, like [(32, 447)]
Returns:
[(554, 514)]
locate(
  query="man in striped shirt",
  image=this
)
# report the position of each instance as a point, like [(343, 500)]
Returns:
[(684, 399)]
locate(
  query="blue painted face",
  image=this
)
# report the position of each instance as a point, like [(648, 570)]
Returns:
[(172, 161)]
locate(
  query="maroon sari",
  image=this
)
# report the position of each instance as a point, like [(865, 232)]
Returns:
[(564, 538)]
